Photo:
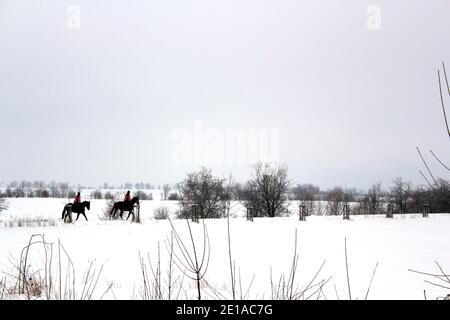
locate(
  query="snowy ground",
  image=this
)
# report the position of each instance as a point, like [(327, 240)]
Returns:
[(405, 242)]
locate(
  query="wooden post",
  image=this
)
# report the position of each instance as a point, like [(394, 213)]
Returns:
[(137, 209), (390, 211), (249, 214), (194, 213), (426, 210), (346, 212), (302, 212)]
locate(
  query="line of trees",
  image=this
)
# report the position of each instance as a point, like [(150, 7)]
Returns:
[(108, 195), (42, 189), (39, 189), (269, 193)]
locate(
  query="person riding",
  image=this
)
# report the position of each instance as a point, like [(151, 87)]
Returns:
[(77, 198), (127, 196)]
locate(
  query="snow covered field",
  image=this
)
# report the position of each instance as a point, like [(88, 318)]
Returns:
[(405, 242)]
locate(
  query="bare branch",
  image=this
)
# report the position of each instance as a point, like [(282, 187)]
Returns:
[(442, 103), (439, 161), (426, 165)]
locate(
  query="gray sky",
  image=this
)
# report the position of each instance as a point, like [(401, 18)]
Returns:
[(101, 103)]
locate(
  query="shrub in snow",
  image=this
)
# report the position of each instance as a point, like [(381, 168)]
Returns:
[(97, 194), (206, 192), (107, 211), (173, 196), (108, 195), (161, 213), (144, 196)]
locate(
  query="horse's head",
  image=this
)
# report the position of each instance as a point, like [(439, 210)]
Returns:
[(135, 200), (88, 205)]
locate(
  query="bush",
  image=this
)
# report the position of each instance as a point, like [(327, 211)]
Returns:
[(108, 195), (144, 196), (268, 190), (205, 191), (335, 199), (97, 194), (30, 222), (107, 210), (174, 196), (161, 213)]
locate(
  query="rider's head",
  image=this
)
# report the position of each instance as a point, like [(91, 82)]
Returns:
[(78, 193), (128, 192)]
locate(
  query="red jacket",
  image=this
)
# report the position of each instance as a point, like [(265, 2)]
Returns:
[(77, 199), (127, 197)]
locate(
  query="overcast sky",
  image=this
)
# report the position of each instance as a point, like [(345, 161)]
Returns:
[(95, 92)]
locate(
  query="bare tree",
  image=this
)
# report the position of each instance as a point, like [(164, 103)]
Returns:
[(166, 190), (269, 190), (307, 194), (420, 197), (374, 195), (335, 199), (3, 203), (400, 193), (205, 191)]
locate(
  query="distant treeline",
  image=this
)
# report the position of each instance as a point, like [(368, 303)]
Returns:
[(39, 189), (42, 189), (273, 187)]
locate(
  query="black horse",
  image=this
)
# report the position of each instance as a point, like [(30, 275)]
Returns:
[(124, 206), (78, 208)]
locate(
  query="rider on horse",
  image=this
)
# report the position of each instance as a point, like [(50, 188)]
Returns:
[(77, 198), (127, 196)]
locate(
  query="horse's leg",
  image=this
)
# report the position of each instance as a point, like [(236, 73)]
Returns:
[(78, 215), (121, 214), (129, 213), (84, 216)]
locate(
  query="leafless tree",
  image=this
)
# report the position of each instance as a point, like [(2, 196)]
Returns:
[(3, 203), (400, 192), (307, 194), (205, 191), (269, 190), (166, 190), (420, 197), (335, 199), (374, 195)]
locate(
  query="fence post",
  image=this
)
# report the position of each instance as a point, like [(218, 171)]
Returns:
[(249, 214), (390, 211), (346, 211), (138, 214), (194, 213), (301, 213), (426, 210)]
